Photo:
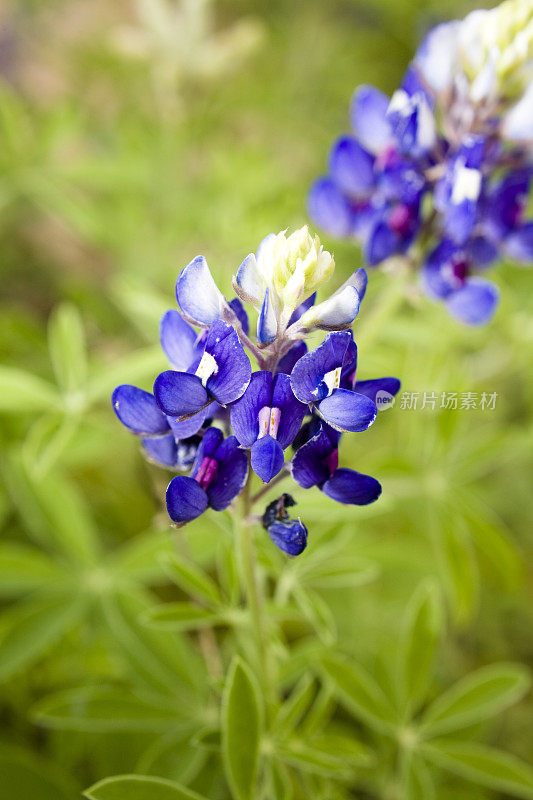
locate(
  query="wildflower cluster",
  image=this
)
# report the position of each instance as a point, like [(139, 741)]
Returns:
[(210, 409), (446, 163)]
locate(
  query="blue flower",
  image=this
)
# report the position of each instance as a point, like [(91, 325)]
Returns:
[(447, 275), (218, 476), (266, 419), (316, 463), (448, 158), (289, 535), (316, 380), (211, 387), (221, 374), (139, 412)]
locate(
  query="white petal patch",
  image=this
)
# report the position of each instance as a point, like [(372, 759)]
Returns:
[(332, 379), (207, 367), (466, 185)]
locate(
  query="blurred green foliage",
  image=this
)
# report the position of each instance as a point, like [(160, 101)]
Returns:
[(133, 136)]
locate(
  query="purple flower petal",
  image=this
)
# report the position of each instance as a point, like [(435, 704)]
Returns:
[(348, 411), (368, 113), (211, 441), (381, 244), (267, 325), (435, 280), (475, 303), (302, 308), (233, 370), (138, 410), (178, 340), (348, 486), (250, 282), (231, 475), (290, 358), (188, 427), (292, 410), (266, 458), (240, 313), (329, 209), (308, 467), (307, 377), (186, 500), (351, 167), (244, 412), (179, 393), (519, 244), (379, 390), (197, 293), (290, 536), (163, 450)]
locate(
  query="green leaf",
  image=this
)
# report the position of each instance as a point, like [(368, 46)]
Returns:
[(241, 730), (360, 694), (480, 695), (192, 579), (54, 511), (23, 569), (139, 787), (295, 706), (141, 558), (179, 616), (337, 572), (102, 709), (136, 368), (162, 660), (329, 755), (484, 765), (422, 626), (26, 775), (459, 570), (417, 779), (66, 343), (30, 628), (317, 612), (22, 391)]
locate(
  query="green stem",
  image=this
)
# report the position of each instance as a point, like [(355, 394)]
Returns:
[(254, 596)]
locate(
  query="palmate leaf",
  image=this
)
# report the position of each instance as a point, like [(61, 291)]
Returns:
[(295, 706), (139, 787), (102, 709), (54, 512), (478, 696), (417, 779), (241, 730), (484, 765), (30, 628), (422, 627), (360, 694), (161, 660)]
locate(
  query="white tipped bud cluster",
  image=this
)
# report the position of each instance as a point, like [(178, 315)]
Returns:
[(499, 43), (295, 266)]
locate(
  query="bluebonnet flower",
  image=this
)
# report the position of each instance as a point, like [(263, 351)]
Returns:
[(217, 477), (316, 463), (448, 159), (290, 535), (210, 408)]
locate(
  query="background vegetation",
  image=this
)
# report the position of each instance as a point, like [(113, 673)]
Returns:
[(135, 135)]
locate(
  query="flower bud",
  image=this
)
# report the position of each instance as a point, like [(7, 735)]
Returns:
[(296, 266)]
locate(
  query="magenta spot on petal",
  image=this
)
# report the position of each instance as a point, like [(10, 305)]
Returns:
[(387, 158), (207, 472), (400, 219), (456, 271), (331, 462)]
